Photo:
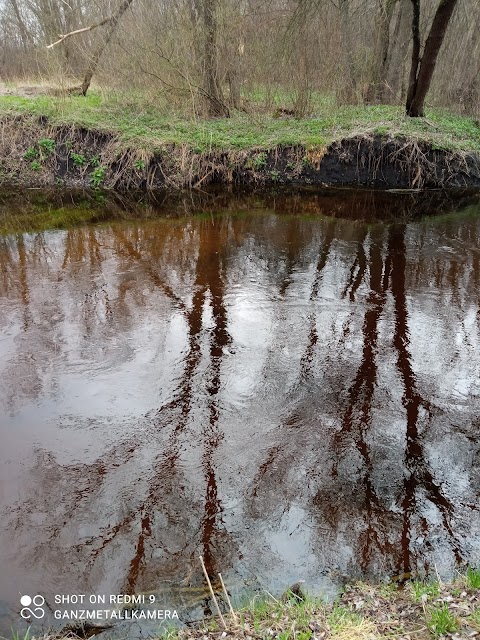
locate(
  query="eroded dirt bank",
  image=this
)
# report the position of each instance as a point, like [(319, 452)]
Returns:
[(34, 152)]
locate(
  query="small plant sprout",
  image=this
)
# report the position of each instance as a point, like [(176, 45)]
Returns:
[(30, 154), (97, 176), (35, 165), (260, 160), (46, 146), (79, 160), (424, 590), (139, 165)]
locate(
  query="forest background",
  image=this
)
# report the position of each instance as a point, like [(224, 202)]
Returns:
[(204, 58)]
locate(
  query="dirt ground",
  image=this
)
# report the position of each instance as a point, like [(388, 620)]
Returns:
[(27, 90)]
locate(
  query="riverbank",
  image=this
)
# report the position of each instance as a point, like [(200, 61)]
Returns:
[(125, 144), (414, 609)]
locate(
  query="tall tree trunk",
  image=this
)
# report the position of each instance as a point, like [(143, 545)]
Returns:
[(94, 60), (212, 89), (235, 74), (347, 41), (377, 90), (420, 81)]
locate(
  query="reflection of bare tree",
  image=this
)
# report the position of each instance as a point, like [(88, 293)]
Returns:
[(358, 268), (418, 474), (384, 534), (356, 421), (23, 281), (312, 331), (159, 504)]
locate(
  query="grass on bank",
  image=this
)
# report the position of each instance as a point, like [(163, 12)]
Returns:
[(416, 610), (138, 121)]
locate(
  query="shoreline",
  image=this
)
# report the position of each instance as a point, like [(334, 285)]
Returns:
[(30, 210)]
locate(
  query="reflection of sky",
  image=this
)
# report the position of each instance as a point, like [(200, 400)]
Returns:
[(97, 331)]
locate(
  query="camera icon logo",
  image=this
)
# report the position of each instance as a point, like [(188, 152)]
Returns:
[(37, 612)]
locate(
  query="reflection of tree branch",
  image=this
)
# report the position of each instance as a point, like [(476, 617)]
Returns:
[(307, 358), (157, 280), (357, 271), (357, 417)]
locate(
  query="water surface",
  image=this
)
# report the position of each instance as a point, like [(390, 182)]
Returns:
[(291, 394)]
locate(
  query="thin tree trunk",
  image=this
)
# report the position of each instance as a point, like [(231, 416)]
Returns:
[(213, 93), (111, 27), (418, 89), (234, 84), (395, 66), (235, 75), (345, 23), (412, 81)]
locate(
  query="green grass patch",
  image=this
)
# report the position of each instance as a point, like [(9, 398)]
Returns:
[(21, 636), (139, 121), (474, 619), (424, 590), (341, 618), (472, 578), (440, 620)]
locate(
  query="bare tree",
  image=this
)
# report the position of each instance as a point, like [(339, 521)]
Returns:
[(422, 69)]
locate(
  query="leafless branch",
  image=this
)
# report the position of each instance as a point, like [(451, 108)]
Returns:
[(74, 33)]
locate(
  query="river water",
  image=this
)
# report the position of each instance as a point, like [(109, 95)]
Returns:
[(290, 393)]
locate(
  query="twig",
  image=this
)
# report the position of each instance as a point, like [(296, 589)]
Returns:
[(212, 594), (438, 575), (197, 184), (228, 599)]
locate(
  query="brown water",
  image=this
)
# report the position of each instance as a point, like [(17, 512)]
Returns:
[(290, 395)]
